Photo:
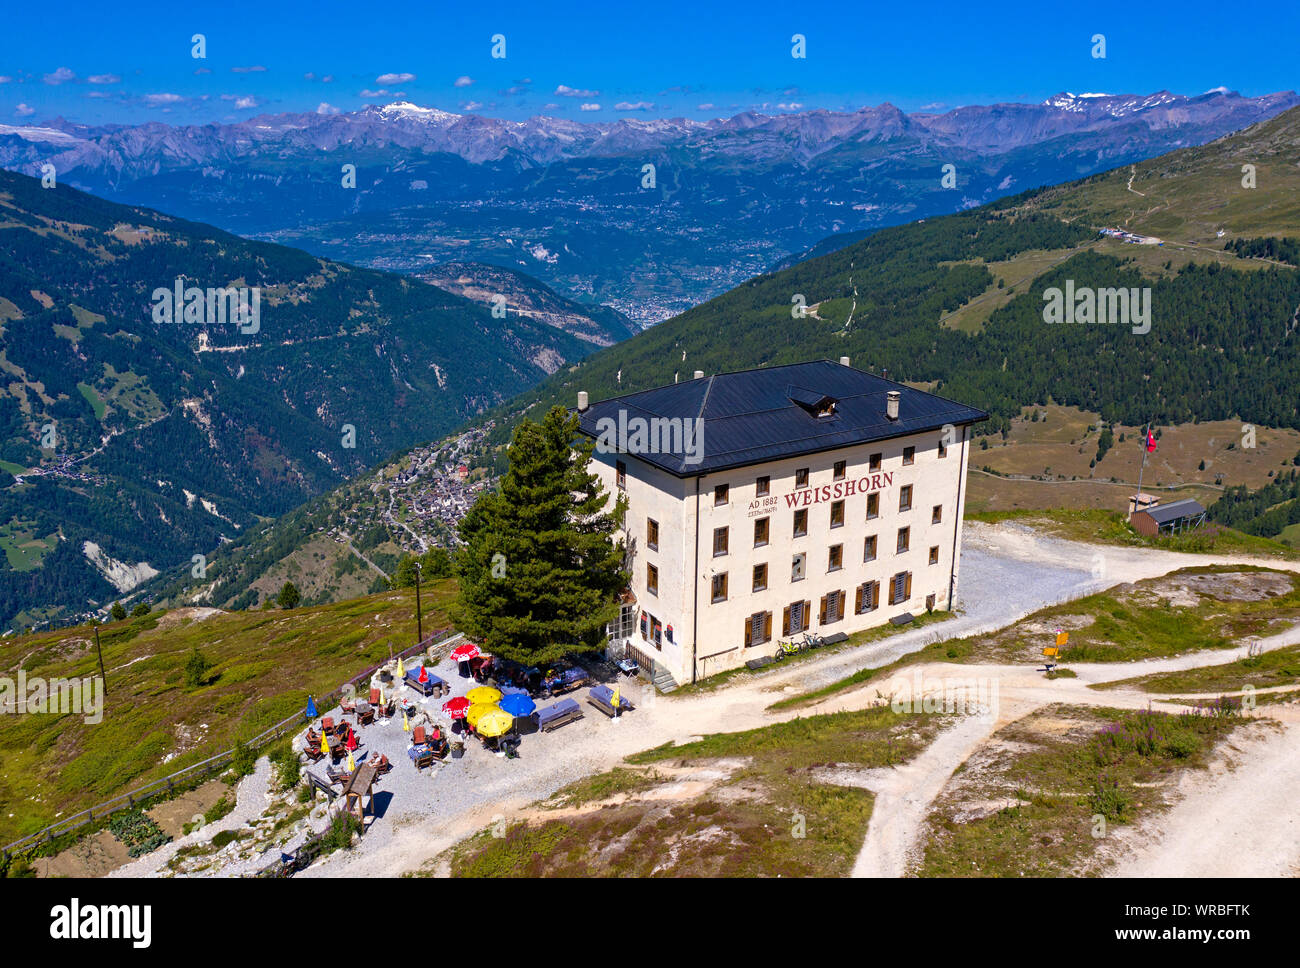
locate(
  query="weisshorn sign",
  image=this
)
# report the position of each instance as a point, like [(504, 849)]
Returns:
[(827, 492)]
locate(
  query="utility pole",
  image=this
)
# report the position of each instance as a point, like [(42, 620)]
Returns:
[(419, 624), (102, 676), (1146, 435)]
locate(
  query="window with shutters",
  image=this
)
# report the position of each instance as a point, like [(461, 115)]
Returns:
[(795, 618), (837, 514), (869, 548), (801, 477), (720, 495), (873, 506), (620, 472), (652, 534), (832, 609), (800, 522), (652, 579), (720, 541), (873, 462), (760, 532), (934, 555), (797, 566), (720, 587), (904, 539), (657, 633), (905, 497), (758, 629), (840, 467), (900, 587), (760, 577), (763, 486), (867, 598), (835, 558), (936, 514), (909, 456)]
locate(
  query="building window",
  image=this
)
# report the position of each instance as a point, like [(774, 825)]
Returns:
[(873, 462), (652, 579), (652, 534), (764, 486), (909, 456), (929, 603), (795, 618), (832, 608), (797, 567), (760, 532), (943, 449), (720, 495), (869, 548), (657, 633), (720, 587), (904, 539), (840, 467), (900, 587), (800, 522), (873, 506), (801, 477), (620, 473), (867, 598), (720, 541), (758, 629), (837, 514), (760, 578), (835, 559), (936, 514), (905, 498), (934, 555)]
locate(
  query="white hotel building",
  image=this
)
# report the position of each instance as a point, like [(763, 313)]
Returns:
[(819, 498)]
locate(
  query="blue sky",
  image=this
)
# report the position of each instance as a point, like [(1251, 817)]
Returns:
[(132, 62)]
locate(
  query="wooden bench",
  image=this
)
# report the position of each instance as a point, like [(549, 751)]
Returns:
[(322, 785), (835, 639), (602, 697)]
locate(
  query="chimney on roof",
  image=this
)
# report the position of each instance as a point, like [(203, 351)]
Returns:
[(582, 401), (699, 374), (844, 361), (891, 404)]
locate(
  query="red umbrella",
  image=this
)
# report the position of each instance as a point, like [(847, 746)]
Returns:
[(466, 651), (456, 706), (352, 743), (424, 675)]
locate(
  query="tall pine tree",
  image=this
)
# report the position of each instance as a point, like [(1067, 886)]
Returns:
[(542, 567)]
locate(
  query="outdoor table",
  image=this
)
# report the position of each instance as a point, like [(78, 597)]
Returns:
[(363, 706), (629, 666)]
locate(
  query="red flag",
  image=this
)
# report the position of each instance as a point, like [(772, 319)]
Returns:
[(1151, 443)]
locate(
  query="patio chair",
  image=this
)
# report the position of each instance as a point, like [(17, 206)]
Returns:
[(417, 736)]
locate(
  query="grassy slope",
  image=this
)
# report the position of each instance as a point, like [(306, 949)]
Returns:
[(264, 665)]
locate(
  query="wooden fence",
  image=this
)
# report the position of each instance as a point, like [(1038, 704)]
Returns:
[(213, 764)]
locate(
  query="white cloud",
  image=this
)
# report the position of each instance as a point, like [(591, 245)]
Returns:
[(792, 106), (203, 70), (633, 106), (255, 69), (369, 93), (705, 107), (62, 75), (591, 107), (23, 110), (153, 100), (104, 79), (385, 79), (6, 80), (471, 105), (464, 81), (242, 102), (324, 108), (565, 91)]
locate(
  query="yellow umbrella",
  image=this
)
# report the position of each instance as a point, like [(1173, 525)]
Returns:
[(478, 710), (406, 723), (614, 698), (352, 763), (483, 694), (494, 722), (401, 669), (324, 744), (381, 697)]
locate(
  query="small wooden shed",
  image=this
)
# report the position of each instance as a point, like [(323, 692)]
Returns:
[(1174, 518)]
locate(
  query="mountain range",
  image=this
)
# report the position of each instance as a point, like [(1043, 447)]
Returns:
[(576, 205)]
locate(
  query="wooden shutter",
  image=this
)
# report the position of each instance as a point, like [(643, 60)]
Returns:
[(857, 600), (767, 626), (875, 594), (785, 621), (748, 638), (907, 588), (807, 615)]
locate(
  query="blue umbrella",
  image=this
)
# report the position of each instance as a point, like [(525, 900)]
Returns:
[(517, 705), (311, 708)]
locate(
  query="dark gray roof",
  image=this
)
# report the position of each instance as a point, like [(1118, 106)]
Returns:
[(769, 413), (1164, 513)]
